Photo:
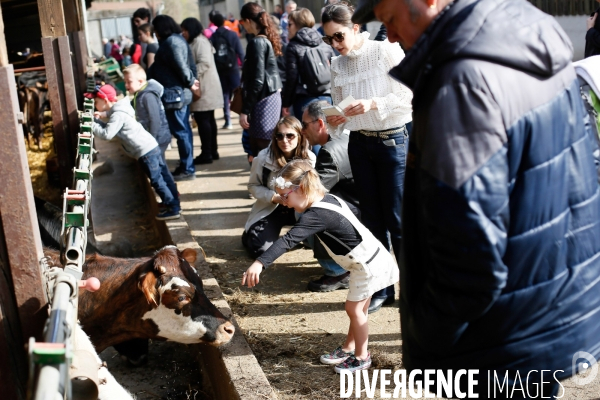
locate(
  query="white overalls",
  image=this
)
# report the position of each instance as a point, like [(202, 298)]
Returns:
[(371, 266)]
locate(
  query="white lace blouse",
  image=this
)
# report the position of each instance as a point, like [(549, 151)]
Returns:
[(363, 73)]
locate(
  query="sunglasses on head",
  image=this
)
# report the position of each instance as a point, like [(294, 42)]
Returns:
[(289, 136), (338, 37)]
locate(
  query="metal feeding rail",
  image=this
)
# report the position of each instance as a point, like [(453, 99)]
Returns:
[(55, 355)]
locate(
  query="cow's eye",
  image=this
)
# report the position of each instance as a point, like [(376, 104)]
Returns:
[(182, 298)]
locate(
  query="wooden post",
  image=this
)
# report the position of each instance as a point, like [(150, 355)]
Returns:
[(21, 247), (74, 27), (52, 18), (62, 90), (65, 148), (73, 22)]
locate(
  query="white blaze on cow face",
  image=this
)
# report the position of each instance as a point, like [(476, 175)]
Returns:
[(175, 326)]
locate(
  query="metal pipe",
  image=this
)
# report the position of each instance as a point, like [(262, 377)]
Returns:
[(21, 70), (52, 378), (75, 244), (48, 384), (56, 332)]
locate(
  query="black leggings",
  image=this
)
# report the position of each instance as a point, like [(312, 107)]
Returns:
[(263, 233), (207, 129)]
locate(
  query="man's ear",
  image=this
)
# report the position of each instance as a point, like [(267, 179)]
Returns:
[(322, 124)]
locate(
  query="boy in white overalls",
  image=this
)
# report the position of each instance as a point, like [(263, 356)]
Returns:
[(347, 241)]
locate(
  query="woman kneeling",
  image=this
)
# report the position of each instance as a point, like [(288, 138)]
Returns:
[(267, 217)]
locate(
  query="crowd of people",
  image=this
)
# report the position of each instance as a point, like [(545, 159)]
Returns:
[(462, 168)]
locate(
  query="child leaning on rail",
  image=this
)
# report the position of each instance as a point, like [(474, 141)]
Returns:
[(347, 241), (138, 143)]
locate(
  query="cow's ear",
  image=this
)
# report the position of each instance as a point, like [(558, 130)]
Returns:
[(147, 284), (189, 255)]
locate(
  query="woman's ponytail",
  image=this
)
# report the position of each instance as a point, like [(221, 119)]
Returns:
[(256, 13)]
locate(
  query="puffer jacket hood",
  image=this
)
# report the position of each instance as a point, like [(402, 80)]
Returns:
[(155, 87), (485, 30), (308, 37), (150, 112), (305, 38)]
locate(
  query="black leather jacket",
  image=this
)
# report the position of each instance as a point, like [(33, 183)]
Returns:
[(260, 74)]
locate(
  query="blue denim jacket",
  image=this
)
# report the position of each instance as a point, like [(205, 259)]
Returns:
[(174, 63)]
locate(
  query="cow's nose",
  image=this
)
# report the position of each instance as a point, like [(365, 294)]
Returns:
[(224, 333)]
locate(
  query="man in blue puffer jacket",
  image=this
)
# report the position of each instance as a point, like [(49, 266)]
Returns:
[(501, 218)]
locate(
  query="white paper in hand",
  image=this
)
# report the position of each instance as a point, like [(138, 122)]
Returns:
[(346, 102), (339, 109)]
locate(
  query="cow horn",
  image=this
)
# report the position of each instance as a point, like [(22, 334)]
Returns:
[(162, 269)]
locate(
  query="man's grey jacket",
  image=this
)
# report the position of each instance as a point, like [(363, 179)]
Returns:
[(333, 167)]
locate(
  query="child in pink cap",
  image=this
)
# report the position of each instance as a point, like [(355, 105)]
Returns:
[(138, 143)]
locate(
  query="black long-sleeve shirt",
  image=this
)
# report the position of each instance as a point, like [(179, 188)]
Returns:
[(322, 223)]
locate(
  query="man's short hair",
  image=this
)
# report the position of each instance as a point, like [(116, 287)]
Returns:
[(302, 18), (135, 70), (142, 13), (218, 19), (314, 110), (291, 3)]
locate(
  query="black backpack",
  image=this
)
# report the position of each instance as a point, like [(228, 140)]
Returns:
[(225, 56), (315, 74)]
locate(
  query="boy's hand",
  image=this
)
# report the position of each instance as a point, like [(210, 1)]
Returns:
[(99, 114), (251, 275)]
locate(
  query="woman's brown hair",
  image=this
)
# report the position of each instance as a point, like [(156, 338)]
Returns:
[(302, 18), (302, 148), (147, 29), (340, 13), (254, 12)]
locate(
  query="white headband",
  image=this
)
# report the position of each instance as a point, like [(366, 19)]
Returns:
[(281, 183)]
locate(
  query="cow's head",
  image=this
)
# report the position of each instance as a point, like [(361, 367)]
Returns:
[(180, 309)]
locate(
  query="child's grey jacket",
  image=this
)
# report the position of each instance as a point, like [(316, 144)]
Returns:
[(150, 112), (122, 124)]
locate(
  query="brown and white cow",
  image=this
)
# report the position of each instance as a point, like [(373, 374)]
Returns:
[(159, 297)]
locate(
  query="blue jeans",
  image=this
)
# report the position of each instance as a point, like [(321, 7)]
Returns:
[(160, 178), (179, 124), (378, 168), (229, 81), (302, 101), (331, 267)]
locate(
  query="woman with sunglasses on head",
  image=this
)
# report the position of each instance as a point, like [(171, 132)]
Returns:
[(379, 121), (267, 217), (261, 83)]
